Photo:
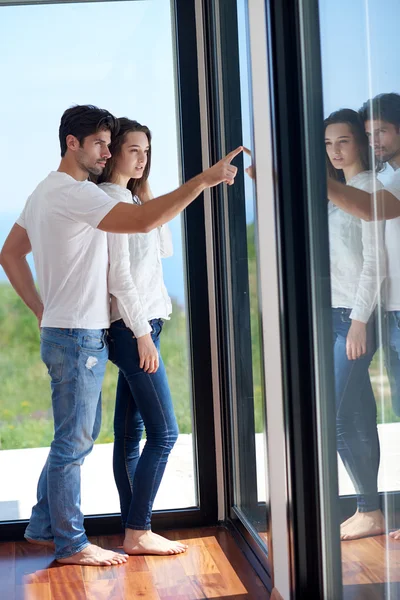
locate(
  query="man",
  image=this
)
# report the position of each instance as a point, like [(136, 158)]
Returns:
[(64, 224), (381, 117), (382, 124)]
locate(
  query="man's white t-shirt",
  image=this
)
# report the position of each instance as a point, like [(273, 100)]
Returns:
[(70, 254), (392, 238)]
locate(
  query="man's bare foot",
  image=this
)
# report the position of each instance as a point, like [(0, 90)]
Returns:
[(47, 543), (148, 542), (363, 525), (94, 556), (395, 534)]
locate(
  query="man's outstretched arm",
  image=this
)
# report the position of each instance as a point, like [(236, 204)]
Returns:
[(13, 260), (370, 207), (130, 218)]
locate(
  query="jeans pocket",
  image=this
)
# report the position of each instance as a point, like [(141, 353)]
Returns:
[(156, 328), (53, 357), (345, 315), (93, 343)]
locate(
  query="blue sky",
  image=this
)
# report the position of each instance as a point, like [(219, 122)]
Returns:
[(359, 44), (119, 55)]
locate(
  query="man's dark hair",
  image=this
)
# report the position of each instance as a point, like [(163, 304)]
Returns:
[(83, 120), (385, 107)]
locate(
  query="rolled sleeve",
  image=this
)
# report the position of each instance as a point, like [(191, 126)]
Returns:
[(122, 287), (373, 271)]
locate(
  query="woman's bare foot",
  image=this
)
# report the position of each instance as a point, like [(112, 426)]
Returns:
[(94, 556), (363, 525), (148, 542), (349, 520), (47, 543)]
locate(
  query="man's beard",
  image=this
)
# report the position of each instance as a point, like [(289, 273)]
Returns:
[(389, 156), (95, 169)]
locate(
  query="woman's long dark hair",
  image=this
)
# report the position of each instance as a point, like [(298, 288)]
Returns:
[(353, 120), (126, 126)]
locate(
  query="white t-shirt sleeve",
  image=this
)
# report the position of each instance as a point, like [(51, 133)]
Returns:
[(394, 185), (87, 203), (21, 219)]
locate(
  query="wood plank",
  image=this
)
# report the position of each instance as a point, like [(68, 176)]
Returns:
[(33, 591), (197, 560), (97, 573), (133, 565), (138, 585), (166, 571), (68, 590), (218, 585), (59, 573), (31, 563), (183, 591), (106, 589), (203, 571), (234, 569)]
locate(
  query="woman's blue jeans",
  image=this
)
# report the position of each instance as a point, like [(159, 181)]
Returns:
[(143, 401), (356, 429)]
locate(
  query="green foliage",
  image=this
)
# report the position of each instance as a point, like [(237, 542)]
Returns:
[(25, 401), (379, 379)]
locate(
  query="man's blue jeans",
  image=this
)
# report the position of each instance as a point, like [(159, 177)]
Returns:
[(143, 400), (76, 361), (392, 356), (356, 428)]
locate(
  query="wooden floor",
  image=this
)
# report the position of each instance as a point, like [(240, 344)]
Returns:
[(212, 567), (371, 569)]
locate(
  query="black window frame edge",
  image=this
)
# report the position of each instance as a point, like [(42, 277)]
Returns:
[(254, 553), (296, 103), (183, 14)]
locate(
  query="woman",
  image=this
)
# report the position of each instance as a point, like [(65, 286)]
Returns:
[(139, 304), (357, 262)]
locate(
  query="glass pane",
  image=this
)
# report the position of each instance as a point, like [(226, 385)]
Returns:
[(127, 70), (362, 132), (248, 400), (260, 520)]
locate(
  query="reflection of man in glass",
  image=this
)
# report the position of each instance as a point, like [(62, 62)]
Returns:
[(64, 224), (381, 117)]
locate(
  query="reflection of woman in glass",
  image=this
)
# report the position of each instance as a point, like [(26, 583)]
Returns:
[(357, 261), (139, 304)]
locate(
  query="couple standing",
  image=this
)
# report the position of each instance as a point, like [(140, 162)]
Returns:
[(73, 227), (358, 257)]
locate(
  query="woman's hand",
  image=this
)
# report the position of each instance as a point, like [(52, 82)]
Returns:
[(356, 341), (251, 170), (148, 354)]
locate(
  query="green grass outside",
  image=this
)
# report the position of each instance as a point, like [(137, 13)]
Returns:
[(25, 405), (25, 402)]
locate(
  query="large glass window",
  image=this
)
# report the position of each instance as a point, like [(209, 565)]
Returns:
[(117, 55), (239, 263), (361, 90)]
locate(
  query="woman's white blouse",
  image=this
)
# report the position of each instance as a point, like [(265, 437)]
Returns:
[(357, 255), (135, 278)]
